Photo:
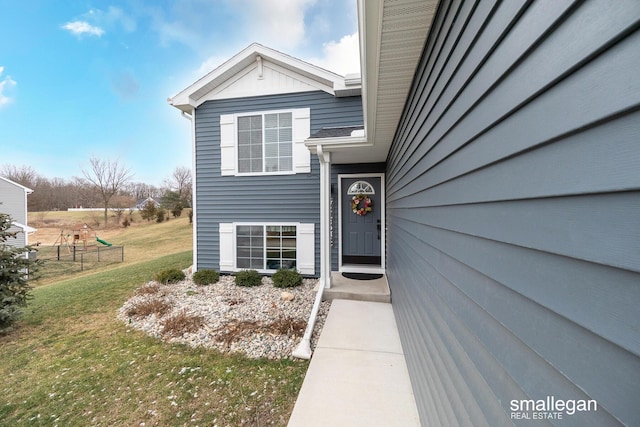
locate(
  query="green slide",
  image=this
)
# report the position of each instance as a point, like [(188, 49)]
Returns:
[(103, 242)]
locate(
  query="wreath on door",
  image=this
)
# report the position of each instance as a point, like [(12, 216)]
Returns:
[(361, 204)]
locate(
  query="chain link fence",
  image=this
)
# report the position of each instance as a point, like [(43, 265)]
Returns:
[(69, 258)]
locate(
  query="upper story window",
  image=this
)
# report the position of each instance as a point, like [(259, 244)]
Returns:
[(265, 142)]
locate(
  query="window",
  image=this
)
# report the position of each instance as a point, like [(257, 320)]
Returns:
[(266, 247), (266, 142)]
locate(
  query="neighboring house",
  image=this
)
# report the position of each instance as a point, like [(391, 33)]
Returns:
[(503, 137), (13, 201), (142, 203)]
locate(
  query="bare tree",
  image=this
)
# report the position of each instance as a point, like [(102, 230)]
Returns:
[(180, 183), (108, 177), (23, 175)]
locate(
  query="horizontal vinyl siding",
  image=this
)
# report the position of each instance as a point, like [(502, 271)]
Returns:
[(268, 198), (513, 212), (13, 203)]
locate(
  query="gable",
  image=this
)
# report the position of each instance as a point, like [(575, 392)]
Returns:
[(264, 77), (258, 71)]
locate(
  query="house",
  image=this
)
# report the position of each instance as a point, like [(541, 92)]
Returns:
[(13, 201), (500, 145), (142, 203)]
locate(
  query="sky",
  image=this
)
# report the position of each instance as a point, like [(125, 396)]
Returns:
[(82, 79)]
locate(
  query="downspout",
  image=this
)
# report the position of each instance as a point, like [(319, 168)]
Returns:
[(191, 118), (303, 350)]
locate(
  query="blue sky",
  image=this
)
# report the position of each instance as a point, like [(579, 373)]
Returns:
[(91, 78)]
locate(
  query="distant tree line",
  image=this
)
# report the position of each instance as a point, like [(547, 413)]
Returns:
[(104, 184)]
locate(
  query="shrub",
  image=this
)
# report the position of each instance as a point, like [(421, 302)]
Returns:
[(181, 324), (205, 277), (286, 279), (160, 214), (15, 272), (148, 307), (248, 278), (168, 276)]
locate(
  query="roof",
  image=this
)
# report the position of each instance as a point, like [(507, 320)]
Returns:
[(252, 60), (24, 227), (337, 132), (393, 34), (26, 190)]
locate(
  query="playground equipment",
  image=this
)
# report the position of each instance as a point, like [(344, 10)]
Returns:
[(103, 242), (63, 240), (83, 233)]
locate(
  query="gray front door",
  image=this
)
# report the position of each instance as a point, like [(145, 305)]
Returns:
[(361, 238)]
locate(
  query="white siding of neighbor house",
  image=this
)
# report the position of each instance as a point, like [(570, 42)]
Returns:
[(513, 211), (13, 201)]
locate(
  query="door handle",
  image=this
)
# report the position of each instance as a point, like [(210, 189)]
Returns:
[(379, 227)]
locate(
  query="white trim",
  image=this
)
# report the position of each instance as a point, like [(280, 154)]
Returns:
[(351, 268), (334, 84)]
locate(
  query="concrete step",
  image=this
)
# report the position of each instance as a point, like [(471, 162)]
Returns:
[(376, 290)]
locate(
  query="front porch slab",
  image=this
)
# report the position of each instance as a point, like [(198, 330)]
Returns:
[(376, 290)]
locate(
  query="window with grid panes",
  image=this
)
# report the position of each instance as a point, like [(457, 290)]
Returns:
[(265, 143), (266, 247)]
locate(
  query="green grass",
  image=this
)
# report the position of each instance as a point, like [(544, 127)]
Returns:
[(143, 242), (71, 363)]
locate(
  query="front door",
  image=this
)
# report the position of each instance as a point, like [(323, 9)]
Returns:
[(361, 219)]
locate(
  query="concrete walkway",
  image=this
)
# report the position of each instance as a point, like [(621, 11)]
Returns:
[(357, 375)]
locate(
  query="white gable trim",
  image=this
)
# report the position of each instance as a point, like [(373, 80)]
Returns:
[(252, 57), (273, 80)]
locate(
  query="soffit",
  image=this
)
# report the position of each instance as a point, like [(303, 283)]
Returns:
[(394, 33)]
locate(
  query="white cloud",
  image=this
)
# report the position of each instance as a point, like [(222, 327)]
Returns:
[(276, 23), (112, 17), (5, 84), (79, 28), (342, 57)]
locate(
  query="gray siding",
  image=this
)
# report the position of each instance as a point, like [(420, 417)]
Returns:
[(513, 212), (262, 198)]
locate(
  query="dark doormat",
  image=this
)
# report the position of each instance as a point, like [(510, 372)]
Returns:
[(361, 276)]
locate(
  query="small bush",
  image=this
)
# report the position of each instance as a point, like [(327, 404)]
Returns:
[(170, 275), (286, 279), (205, 277), (248, 278), (160, 215)]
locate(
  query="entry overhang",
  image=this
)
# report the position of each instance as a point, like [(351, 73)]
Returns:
[(392, 34)]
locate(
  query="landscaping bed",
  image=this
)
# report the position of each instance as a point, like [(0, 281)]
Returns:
[(254, 321)]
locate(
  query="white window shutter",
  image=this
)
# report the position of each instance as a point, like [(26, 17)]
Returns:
[(227, 246), (301, 131), (227, 144), (306, 249)]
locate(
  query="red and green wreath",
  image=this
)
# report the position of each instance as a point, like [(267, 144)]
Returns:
[(361, 204)]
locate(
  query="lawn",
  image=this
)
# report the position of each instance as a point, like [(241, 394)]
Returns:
[(71, 363), (142, 241)]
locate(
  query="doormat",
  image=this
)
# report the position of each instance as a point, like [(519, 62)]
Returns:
[(361, 276)]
